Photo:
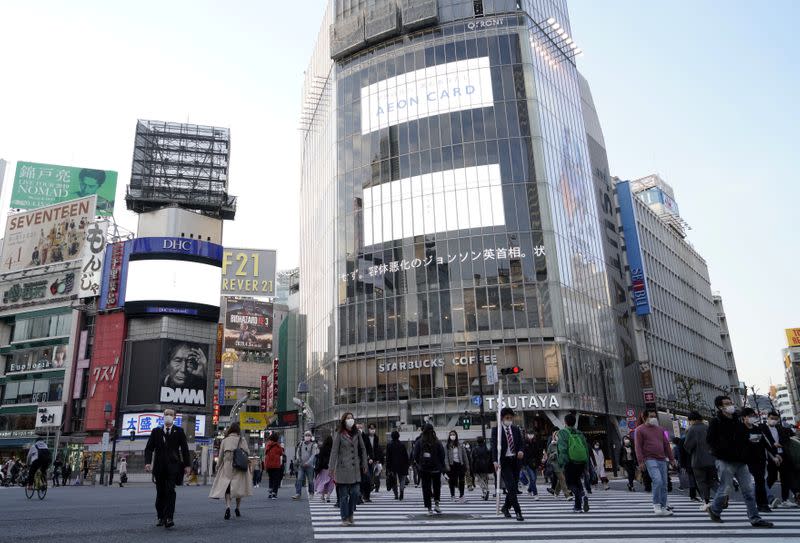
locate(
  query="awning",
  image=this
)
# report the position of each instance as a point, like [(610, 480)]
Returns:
[(15, 442), (91, 440)]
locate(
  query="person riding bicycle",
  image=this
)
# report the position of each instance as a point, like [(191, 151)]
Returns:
[(38, 460)]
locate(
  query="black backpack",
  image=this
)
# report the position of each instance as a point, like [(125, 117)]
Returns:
[(426, 460)]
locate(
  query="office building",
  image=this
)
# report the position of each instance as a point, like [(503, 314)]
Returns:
[(449, 217)]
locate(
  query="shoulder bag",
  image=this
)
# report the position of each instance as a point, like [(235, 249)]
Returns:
[(241, 461)]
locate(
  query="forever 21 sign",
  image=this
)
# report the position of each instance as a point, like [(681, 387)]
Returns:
[(248, 272)]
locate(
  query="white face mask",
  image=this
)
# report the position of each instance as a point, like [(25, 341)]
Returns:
[(349, 423), (168, 420), (597, 446), (729, 409), (754, 420), (772, 422), (652, 421), (452, 438), (507, 423)]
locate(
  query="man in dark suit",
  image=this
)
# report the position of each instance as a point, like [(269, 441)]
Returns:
[(779, 461), (167, 456), (512, 447), (373, 447)]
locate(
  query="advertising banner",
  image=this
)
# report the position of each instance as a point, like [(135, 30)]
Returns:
[(793, 337), (115, 266), (94, 248), (47, 235), (49, 416), (453, 86), (248, 272), (168, 371), (263, 393), (43, 289), (248, 324), (254, 422), (43, 358), (641, 297), (285, 419), (142, 424), (38, 185)]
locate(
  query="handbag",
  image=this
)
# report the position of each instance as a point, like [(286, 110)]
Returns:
[(391, 480), (240, 458)]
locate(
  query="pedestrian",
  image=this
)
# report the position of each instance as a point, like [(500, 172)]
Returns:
[(729, 442), (323, 484), (598, 459), (291, 468), (273, 462), (429, 455), (377, 470), (627, 459), (372, 444), (66, 473), (558, 483), (653, 451), (481, 464), (530, 462), (348, 465), (780, 462), (757, 454), (573, 456), (701, 462), (305, 455), (396, 465), (85, 466), (122, 469), (511, 452), (233, 480), (257, 470), (685, 473), (456, 464), (166, 455), (195, 470), (57, 467)]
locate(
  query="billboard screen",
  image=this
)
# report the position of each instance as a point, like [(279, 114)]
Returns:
[(39, 185), (142, 424), (793, 337), (168, 371), (172, 281), (248, 324), (248, 272), (45, 236)]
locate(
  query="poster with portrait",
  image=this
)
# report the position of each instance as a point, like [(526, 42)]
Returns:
[(248, 325), (184, 372)]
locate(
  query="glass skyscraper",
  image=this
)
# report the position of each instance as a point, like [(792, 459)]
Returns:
[(448, 212)]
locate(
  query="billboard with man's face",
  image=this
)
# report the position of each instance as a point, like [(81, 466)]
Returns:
[(168, 371), (38, 185)]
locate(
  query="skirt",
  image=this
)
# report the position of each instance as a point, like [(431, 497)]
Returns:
[(323, 484)]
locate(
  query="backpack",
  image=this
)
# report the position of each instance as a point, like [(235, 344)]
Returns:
[(44, 456), (576, 449), (426, 461)]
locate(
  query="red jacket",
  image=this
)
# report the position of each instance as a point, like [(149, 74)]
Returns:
[(272, 455)]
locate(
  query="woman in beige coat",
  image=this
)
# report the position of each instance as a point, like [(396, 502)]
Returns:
[(229, 481)]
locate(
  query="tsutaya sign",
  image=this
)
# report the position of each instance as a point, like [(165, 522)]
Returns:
[(526, 401), (409, 365)]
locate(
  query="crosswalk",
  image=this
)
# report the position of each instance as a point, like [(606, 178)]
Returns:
[(614, 515)]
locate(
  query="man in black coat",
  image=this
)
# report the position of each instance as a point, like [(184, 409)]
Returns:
[(778, 437), (512, 446), (167, 456), (374, 454), (397, 464)]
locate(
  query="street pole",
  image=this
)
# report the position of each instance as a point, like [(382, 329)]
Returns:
[(498, 471), (480, 391), (117, 414), (609, 427)]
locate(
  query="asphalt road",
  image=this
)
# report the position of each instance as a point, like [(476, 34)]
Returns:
[(111, 514)]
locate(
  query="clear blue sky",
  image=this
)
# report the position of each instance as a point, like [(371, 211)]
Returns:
[(703, 93)]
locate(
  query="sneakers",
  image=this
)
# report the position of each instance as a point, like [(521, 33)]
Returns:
[(661, 511), (296, 497), (705, 507), (506, 512), (585, 504), (775, 503), (713, 516), (437, 508), (761, 523), (430, 512), (788, 505)]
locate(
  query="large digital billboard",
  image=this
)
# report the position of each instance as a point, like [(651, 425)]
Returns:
[(168, 371), (248, 324), (38, 185), (47, 235)]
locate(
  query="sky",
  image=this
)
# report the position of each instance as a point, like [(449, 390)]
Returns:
[(703, 93)]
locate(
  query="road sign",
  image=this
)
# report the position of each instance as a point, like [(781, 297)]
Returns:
[(105, 441), (631, 424), (476, 400), (491, 374), (630, 412)]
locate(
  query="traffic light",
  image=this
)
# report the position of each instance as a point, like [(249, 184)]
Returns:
[(514, 370), (465, 421)]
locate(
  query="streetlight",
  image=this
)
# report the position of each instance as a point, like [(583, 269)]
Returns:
[(104, 442)]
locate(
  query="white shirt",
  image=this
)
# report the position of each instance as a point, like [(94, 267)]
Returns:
[(774, 431), (507, 431)]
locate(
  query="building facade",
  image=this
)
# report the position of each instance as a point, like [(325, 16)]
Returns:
[(449, 216), (679, 337), (784, 405)]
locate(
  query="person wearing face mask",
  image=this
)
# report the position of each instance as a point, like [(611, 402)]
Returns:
[(653, 450), (780, 462), (305, 456), (481, 466), (627, 459), (166, 455), (573, 455), (456, 464), (757, 455), (598, 459), (348, 466), (557, 482), (701, 460), (729, 442), (530, 463), (429, 456), (511, 450), (372, 445)]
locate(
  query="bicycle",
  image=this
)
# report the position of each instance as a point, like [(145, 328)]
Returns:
[(39, 486)]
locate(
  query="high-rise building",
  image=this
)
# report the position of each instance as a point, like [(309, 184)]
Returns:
[(791, 363), (449, 218), (680, 326), (733, 385), (784, 404)]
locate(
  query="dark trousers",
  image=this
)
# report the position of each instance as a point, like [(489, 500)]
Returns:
[(456, 479), (256, 477), (64, 479), (431, 487), (706, 479), (630, 470), (165, 496), (366, 483), (785, 472), (37, 465), (758, 471), (275, 475), (573, 473), (509, 473)]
